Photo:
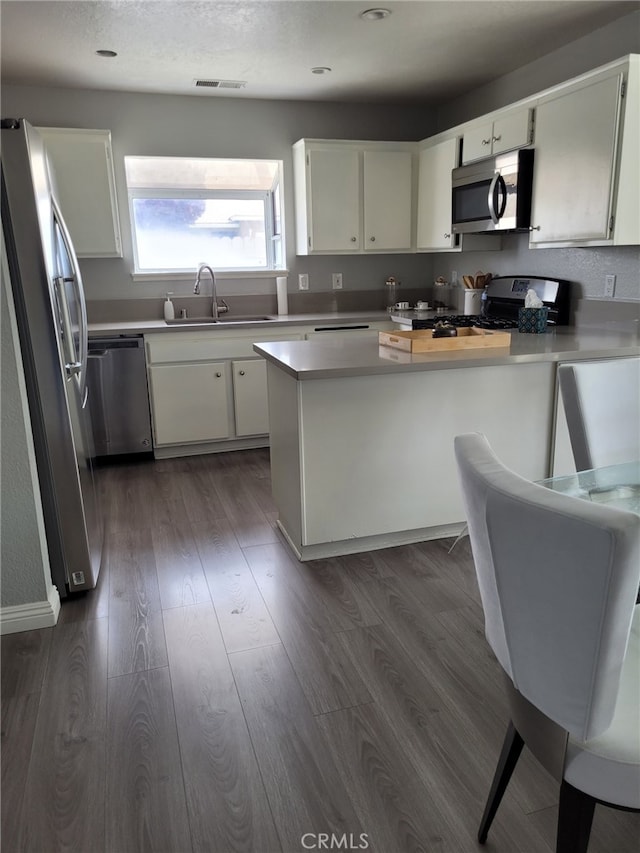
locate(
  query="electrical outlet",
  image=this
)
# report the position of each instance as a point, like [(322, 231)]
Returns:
[(336, 280), (303, 281), (609, 285)]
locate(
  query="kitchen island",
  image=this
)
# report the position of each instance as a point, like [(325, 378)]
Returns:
[(362, 435)]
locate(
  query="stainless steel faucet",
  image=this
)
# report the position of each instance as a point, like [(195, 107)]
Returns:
[(216, 309)]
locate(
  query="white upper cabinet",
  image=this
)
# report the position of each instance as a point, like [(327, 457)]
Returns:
[(353, 197), (332, 189), (586, 176), (387, 200), (434, 195), (434, 232), (511, 130), (82, 164)]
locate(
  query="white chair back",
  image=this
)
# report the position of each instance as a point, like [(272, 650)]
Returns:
[(558, 578), (602, 404)]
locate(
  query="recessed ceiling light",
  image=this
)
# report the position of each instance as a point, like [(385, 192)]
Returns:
[(109, 54), (375, 14), (320, 69)]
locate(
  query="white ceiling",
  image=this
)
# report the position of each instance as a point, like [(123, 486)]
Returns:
[(425, 51)]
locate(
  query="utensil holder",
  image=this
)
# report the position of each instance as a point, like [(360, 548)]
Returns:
[(472, 301)]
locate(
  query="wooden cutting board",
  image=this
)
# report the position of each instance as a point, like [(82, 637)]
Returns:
[(422, 340)]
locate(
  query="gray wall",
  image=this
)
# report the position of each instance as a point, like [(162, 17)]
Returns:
[(584, 268), (25, 565), (223, 127), (196, 125), (604, 45)]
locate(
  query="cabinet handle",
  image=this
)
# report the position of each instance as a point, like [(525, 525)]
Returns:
[(447, 236), (373, 239), (353, 239), (218, 375), (534, 228), (241, 372), (497, 138), (486, 141)]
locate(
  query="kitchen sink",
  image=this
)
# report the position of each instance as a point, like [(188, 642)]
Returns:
[(245, 318), (236, 318)]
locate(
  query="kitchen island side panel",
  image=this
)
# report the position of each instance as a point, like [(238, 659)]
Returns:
[(377, 451), (284, 440)]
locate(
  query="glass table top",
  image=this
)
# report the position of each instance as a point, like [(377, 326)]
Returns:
[(615, 485)]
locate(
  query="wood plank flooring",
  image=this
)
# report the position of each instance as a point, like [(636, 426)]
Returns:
[(215, 695)]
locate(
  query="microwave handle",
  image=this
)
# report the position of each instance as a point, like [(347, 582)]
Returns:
[(497, 186)]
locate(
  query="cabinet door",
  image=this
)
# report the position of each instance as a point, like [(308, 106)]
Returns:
[(250, 397), (511, 131), (189, 402), (576, 137), (387, 200), (434, 195), (82, 166), (476, 142), (334, 192)]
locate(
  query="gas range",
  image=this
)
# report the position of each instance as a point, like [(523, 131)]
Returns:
[(462, 321), (505, 296)]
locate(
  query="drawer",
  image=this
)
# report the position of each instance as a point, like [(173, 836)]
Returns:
[(189, 347)]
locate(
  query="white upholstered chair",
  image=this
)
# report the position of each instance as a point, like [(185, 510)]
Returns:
[(602, 404), (558, 579)]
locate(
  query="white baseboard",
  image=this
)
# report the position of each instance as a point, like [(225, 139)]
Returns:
[(29, 617)]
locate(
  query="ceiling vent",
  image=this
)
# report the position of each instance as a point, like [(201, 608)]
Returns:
[(220, 84)]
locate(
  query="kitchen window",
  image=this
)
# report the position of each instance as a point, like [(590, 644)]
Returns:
[(191, 210)]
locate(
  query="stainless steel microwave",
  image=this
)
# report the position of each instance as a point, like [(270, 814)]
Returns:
[(493, 194)]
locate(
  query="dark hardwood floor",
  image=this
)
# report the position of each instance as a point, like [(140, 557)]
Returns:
[(213, 694)]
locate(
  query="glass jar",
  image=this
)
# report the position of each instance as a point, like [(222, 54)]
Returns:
[(442, 297), (393, 295)]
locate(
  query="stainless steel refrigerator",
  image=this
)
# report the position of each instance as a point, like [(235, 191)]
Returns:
[(52, 325)]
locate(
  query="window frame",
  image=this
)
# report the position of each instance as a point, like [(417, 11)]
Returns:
[(274, 239)]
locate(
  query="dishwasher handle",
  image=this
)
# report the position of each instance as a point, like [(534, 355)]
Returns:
[(99, 361)]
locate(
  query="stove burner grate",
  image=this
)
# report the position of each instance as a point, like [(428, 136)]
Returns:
[(465, 321)]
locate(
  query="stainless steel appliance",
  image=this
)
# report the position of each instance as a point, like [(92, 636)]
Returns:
[(493, 194), (117, 380), (504, 296), (52, 326)]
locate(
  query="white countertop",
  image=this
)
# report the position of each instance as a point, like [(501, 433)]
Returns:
[(323, 359), (141, 327)]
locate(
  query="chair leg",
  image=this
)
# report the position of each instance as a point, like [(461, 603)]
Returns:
[(574, 820), (511, 749)]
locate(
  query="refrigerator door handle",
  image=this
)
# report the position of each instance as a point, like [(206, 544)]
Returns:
[(76, 281), (71, 363)]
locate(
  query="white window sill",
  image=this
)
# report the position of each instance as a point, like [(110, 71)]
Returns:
[(220, 275)]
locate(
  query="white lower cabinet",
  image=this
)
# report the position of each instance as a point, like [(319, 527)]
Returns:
[(189, 402), (208, 390), (250, 397)]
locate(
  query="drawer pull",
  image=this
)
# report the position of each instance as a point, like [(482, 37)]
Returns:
[(241, 373), (218, 374)]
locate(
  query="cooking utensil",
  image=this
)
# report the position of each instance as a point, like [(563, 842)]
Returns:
[(468, 281)]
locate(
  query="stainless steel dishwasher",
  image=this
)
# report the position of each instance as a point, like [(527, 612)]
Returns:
[(118, 396)]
